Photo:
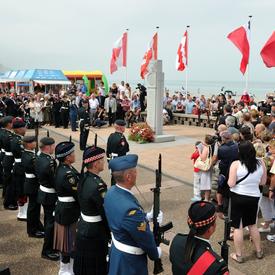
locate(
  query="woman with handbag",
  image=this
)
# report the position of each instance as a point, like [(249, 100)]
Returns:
[(205, 163), (245, 176)]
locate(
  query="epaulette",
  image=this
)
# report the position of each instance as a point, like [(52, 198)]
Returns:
[(102, 188)]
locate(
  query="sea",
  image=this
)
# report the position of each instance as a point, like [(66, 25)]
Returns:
[(208, 88)]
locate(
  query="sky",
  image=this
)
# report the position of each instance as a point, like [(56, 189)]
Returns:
[(79, 35)]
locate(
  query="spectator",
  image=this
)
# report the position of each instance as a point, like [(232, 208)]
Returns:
[(110, 107), (190, 104), (255, 117), (239, 114), (245, 134), (259, 130), (271, 126), (93, 104), (136, 107), (245, 176), (246, 119), (128, 90), (230, 122), (266, 120), (99, 117)]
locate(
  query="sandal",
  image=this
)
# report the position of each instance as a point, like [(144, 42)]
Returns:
[(260, 254), (236, 258)]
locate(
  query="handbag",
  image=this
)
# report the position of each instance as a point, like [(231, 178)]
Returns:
[(204, 165)]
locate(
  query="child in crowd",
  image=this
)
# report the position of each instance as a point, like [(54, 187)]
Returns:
[(197, 172)]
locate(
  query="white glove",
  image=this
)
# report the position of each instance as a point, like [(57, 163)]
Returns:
[(159, 251), (149, 216)]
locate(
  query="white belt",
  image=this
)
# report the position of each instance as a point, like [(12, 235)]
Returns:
[(17, 160), (30, 176), (47, 190), (3, 150), (66, 199), (8, 153), (91, 218), (127, 248)]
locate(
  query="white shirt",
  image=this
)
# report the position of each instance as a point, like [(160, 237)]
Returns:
[(93, 103), (125, 189), (121, 88)]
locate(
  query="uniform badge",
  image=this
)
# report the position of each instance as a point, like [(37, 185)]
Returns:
[(71, 180), (142, 227), (132, 213)]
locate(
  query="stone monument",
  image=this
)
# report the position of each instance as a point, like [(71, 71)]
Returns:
[(155, 93)]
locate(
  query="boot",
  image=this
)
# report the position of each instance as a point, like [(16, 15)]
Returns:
[(22, 213), (64, 269)]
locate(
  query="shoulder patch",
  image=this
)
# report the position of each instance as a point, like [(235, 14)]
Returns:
[(102, 189)]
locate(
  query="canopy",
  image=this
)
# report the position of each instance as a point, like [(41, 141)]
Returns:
[(36, 75), (80, 74)]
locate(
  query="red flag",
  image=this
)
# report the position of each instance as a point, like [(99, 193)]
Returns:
[(239, 38), (151, 54), (119, 53), (268, 52), (182, 53)]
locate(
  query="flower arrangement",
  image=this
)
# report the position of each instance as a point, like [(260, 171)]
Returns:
[(141, 133)]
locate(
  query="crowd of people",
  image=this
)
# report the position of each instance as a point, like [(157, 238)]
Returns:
[(236, 166)]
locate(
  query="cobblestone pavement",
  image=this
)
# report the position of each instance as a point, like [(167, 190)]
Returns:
[(22, 254)]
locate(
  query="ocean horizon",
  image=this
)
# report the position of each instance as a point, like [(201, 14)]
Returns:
[(258, 89)]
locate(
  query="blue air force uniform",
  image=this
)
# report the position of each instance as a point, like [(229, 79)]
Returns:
[(132, 239)]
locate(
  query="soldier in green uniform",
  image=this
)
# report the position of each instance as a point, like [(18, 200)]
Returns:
[(117, 144), (192, 253), (16, 145), (10, 202), (92, 230), (84, 124), (45, 171), (35, 228), (67, 208)]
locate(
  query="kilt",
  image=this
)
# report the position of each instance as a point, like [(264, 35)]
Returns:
[(90, 258), (64, 237)]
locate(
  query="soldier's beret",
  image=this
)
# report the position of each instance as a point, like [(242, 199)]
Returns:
[(46, 141), (64, 149), (123, 163), (6, 120), (200, 214), (18, 122), (93, 153), (120, 122), (29, 139)]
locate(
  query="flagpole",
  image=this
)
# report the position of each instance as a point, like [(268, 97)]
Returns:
[(187, 55), (126, 70), (248, 65)]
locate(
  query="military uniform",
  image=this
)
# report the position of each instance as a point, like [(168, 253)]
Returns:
[(132, 240), (92, 230), (45, 169), (64, 113), (205, 260), (84, 125), (31, 186), (8, 160)]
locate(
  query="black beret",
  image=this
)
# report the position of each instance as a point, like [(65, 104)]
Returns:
[(64, 149), (92, 154), (46, 141), (6, 120), (18, 122), (120, 122), (29, 139), (200, 214)]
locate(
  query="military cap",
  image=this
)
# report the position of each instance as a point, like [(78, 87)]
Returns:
[(46, 141), (6, 120), (29, 139), (123, 163), (18, 122), (64, 149), (93, 153), (200, 214), (120, 122)]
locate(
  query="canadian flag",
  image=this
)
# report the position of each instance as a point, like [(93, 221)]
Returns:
[(182, 53), (268, 52), (119, 53), (239, 38), (151, 54)]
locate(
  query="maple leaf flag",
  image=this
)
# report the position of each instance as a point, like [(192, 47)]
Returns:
[(182, 53), (151, 54), (119, 53), (268, 52), (239, 38)]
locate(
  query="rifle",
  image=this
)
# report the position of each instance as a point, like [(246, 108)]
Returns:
[(36, 131), (158, 230), (95, 142), (227, 226)]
